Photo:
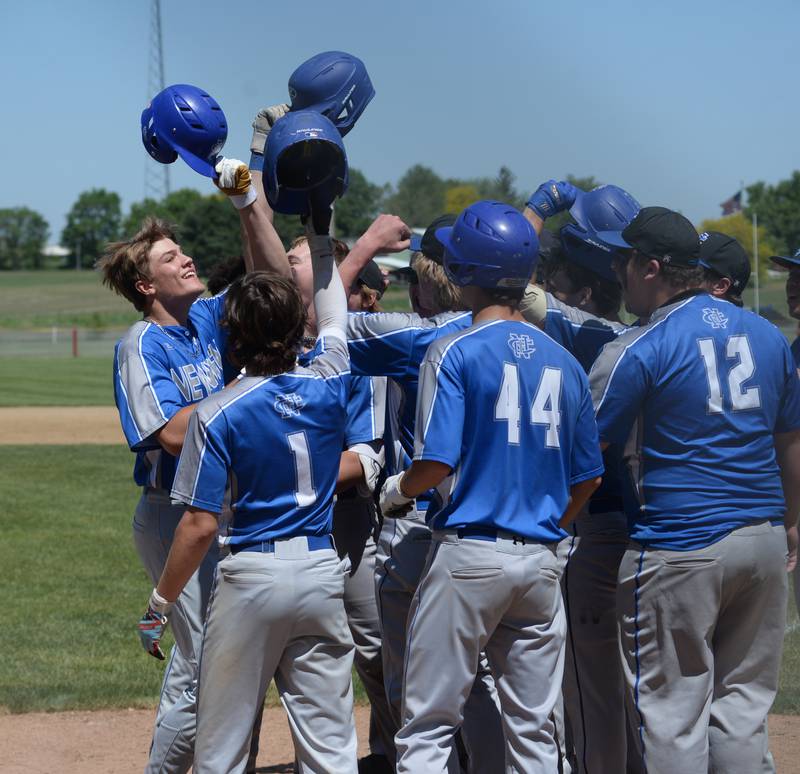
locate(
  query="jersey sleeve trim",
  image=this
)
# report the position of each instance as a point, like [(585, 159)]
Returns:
[(579, 477)]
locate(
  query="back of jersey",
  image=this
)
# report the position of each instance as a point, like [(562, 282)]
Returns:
[(696, 396), (274, 444), (509, 410)]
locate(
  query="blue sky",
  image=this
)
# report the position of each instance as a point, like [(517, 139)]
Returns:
[(677, 102)]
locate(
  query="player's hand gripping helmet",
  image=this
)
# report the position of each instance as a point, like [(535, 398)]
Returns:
[(490, 245), (335, 84), (602, 211), (304, 157), (184, 121)]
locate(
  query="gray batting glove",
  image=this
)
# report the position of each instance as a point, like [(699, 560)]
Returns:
[(264, 121)]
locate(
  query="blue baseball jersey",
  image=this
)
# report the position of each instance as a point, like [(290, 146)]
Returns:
[(366, 404), (393, 344), (796, 352), (271, 446), (509, 411), (584, 335), (159, 370), (695, 396)]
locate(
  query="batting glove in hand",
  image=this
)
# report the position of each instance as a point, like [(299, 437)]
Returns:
[(552, 197), (151, 630), (235, 182), (262, 125), (393, 502)]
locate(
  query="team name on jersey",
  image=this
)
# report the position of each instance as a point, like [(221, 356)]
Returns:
[(207, 374)]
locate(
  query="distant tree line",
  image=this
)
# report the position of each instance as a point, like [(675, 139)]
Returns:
[(208, 226)]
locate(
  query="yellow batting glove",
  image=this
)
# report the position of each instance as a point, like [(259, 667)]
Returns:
[(233, 179)]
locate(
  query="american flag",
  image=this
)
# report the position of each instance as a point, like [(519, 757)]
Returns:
[(732, 205)]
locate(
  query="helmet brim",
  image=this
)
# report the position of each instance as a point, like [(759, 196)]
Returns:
[(787, 261), (613, 238), (202, 166), (577, 212)]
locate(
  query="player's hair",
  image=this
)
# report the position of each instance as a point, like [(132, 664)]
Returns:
[(265, 318), (124, 263), (677, 277), (505, 296), (710, 277), (446, 295), (607, 295), (225, 272), (340, 249)]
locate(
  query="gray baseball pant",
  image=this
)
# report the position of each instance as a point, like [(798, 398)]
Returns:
[(701, 635), (154, 524), (594, 687), (502, 597), (354, 522), (401, 557), (278, 615)]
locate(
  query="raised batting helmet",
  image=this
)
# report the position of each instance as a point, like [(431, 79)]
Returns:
[(304, 157), (607, 208), (335, 84), (490, 245), (184, 121)]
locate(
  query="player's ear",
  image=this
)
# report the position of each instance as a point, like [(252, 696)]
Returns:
[(145, 286), (586, 296), (652, 269)]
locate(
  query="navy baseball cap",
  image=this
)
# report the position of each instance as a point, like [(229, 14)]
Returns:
[(724, 255), (787, 261), (660, 233), (371, 277), (428, 244)]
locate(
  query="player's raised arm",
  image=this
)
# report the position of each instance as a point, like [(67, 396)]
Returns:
[(263, 247), (386, 234), (547, 200)]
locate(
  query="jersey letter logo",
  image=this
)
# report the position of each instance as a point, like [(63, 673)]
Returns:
[(288, 405), (521, 345), (714, 318)]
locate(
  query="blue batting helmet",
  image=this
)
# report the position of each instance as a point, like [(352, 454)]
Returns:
[(184, 121), (335, 84), (304, 155), (601, 212), (490, 245)]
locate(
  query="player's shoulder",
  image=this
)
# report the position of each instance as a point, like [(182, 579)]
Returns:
[(141, 338), (577, 318), (366, 325)]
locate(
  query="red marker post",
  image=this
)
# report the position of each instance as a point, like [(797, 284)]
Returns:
[(74, 342)]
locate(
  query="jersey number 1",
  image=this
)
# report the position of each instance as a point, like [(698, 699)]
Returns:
[(304, 493), (544, 409), (736, 348)]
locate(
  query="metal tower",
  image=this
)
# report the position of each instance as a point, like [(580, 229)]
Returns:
[(156, 176)]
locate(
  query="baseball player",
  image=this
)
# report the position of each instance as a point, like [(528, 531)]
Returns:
[(163, 366), (499, 404), (792, 264), (726, 266), (393, 345), (706, 401), (277, 609), (582, 306)]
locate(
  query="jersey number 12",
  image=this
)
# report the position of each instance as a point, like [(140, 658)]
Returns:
[(736, 348), (544, 409)]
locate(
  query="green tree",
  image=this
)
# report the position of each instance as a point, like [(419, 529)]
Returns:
[(778, 210), (359, 206), (419, 198), (741, 228), (210, 231), (93, 221), (458, 197), (173, 208), (23, 235), (501, 188)]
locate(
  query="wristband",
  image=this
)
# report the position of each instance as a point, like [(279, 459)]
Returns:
[(159, 604), (240, 201)]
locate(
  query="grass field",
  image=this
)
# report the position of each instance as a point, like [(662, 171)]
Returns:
[(31, 381), (73, 586)]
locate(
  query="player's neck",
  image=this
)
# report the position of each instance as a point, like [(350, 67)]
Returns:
[(174, 312), (496, 312)]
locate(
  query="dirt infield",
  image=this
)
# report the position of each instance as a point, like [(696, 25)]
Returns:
[(60, 425), (116, 742)]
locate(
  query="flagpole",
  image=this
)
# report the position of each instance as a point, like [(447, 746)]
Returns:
[(755, 262)]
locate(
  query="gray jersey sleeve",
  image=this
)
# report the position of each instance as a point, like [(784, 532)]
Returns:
[(578, 316)]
